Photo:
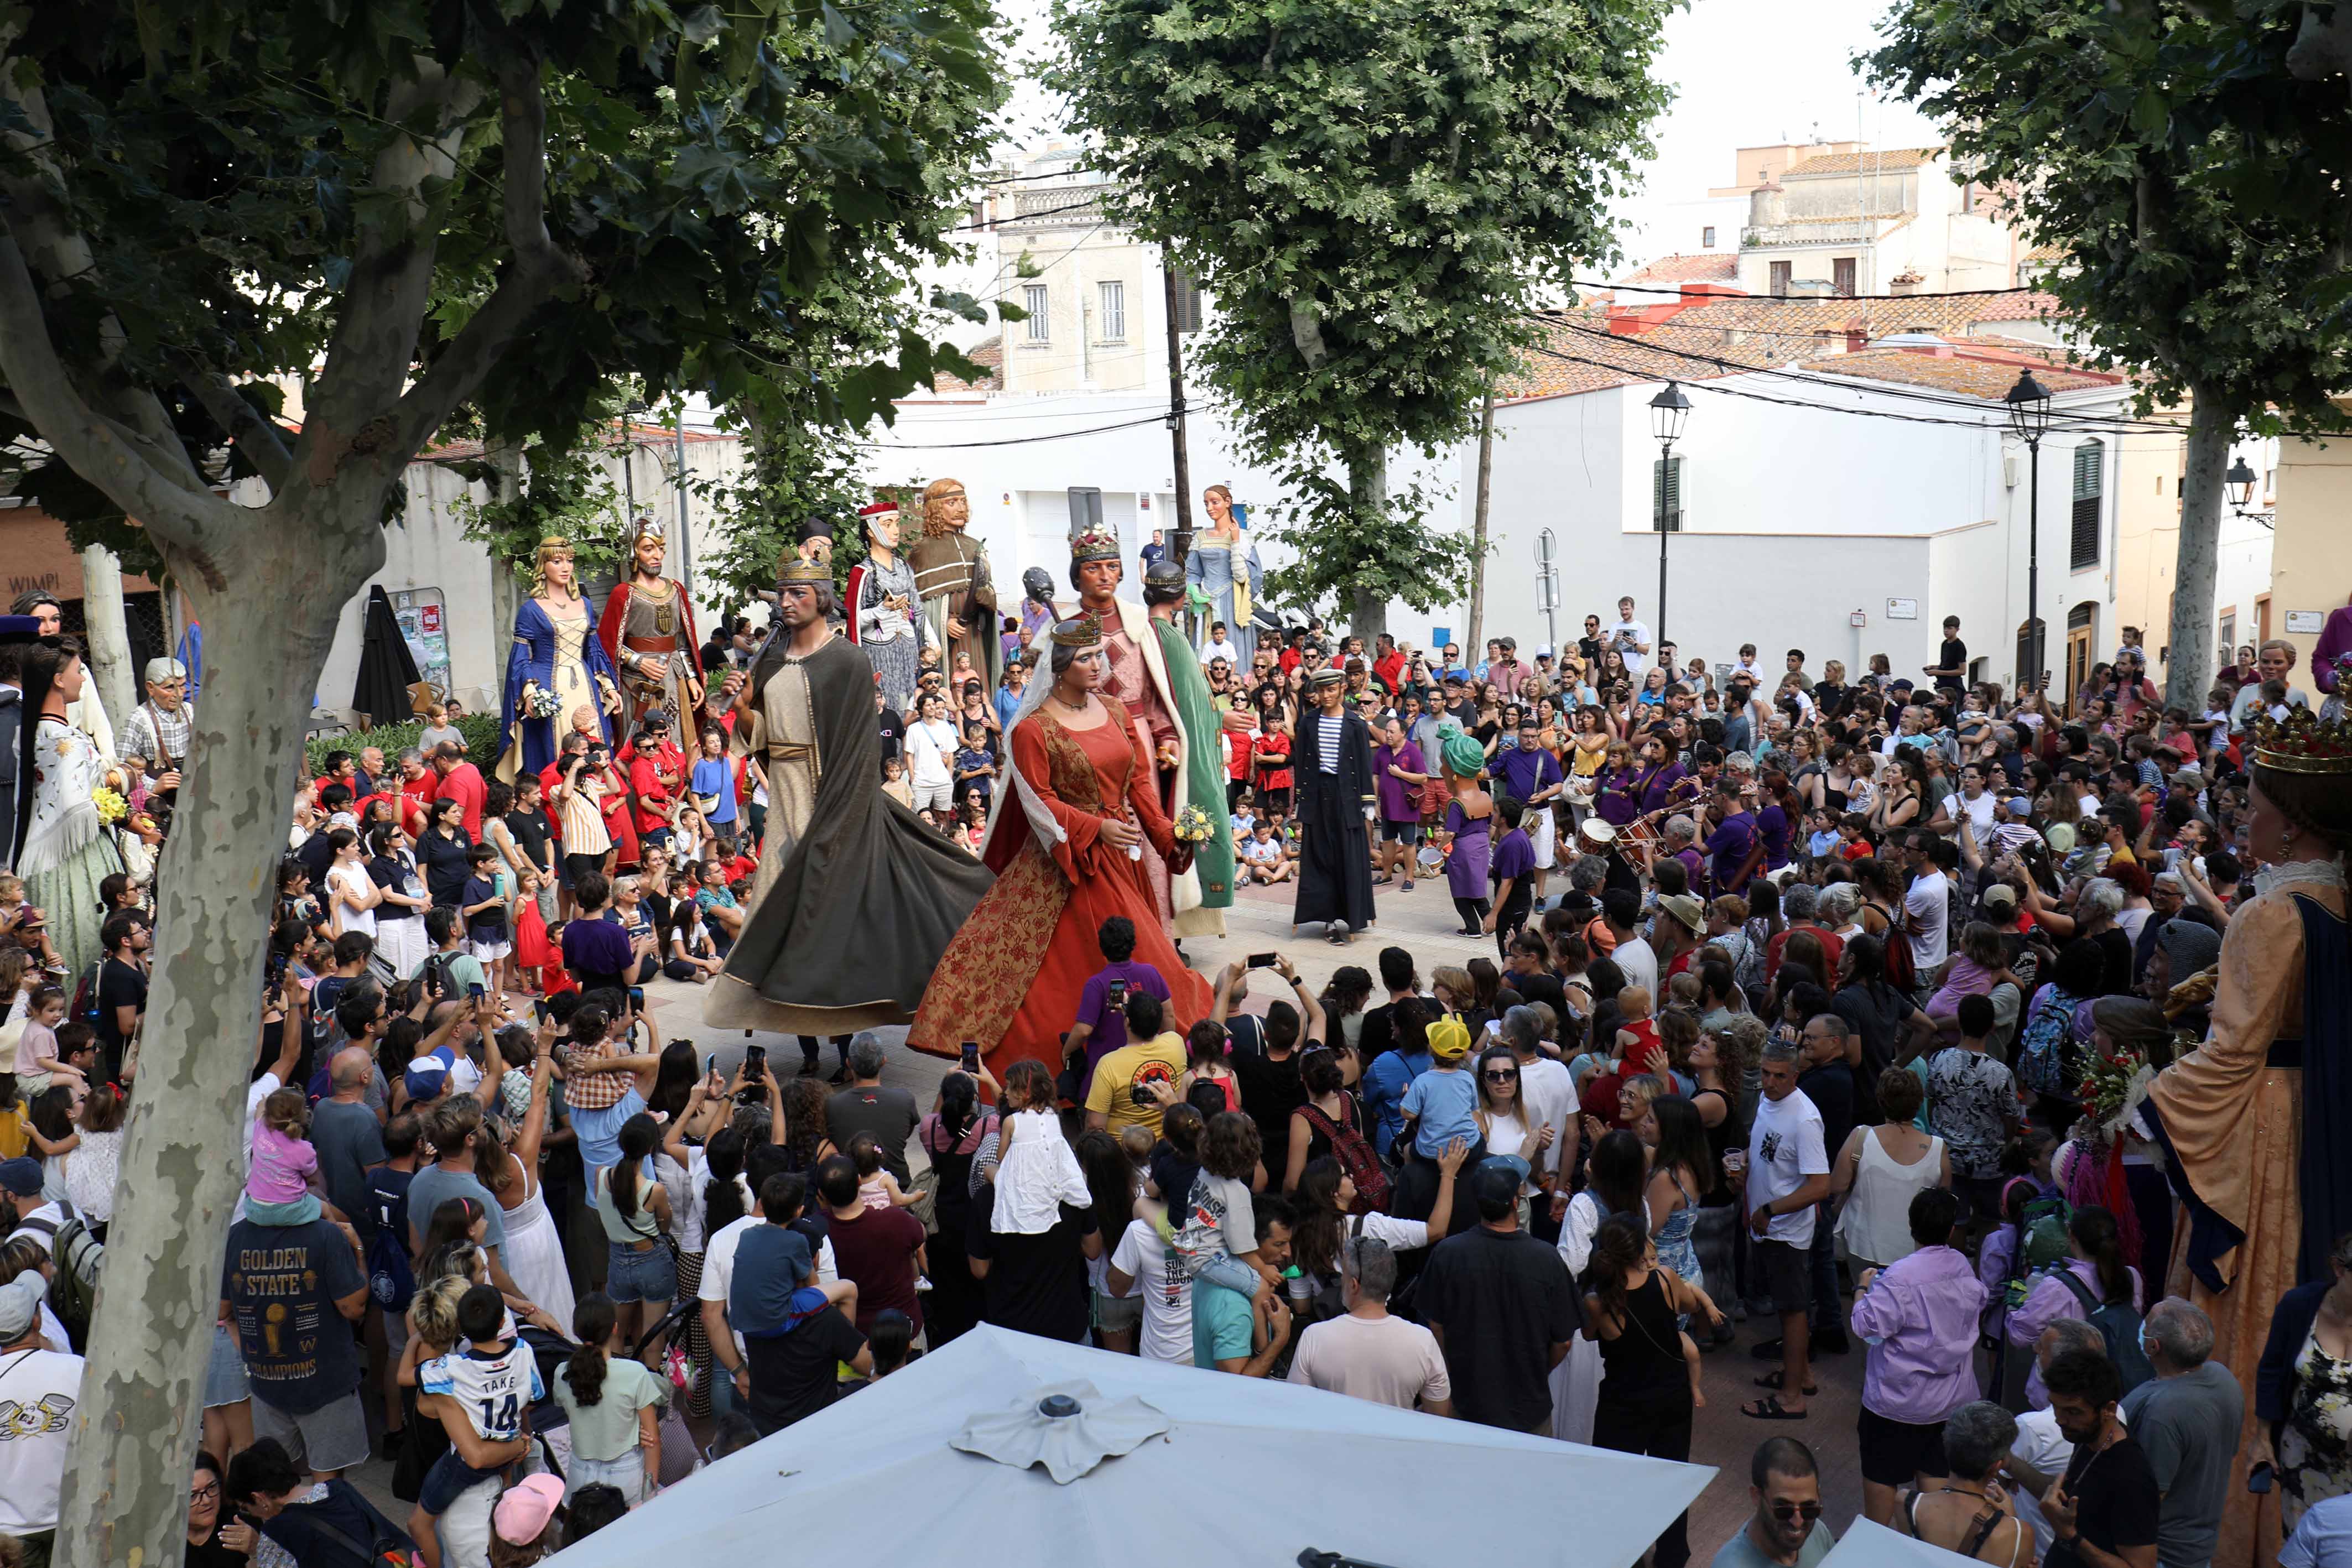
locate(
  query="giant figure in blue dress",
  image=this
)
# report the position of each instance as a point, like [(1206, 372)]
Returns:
[(1223, 565), (555, 668)]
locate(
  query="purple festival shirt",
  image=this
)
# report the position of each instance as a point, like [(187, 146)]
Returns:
[(1920, 1316), (1400, 800)]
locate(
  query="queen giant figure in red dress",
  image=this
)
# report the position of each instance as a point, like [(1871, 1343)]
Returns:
[(1068, 854)]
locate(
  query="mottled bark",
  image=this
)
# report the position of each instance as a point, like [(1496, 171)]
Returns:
[(1367, 494), (105, 632), (2189, 667)]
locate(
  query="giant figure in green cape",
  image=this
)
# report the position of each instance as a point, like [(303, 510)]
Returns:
[(1205, 774)]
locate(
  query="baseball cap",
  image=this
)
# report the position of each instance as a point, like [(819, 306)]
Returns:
[(524, 1508), (2000, 895), (1494, 1183), (1449, 1040), (1685, 908), (427, 1074), (21, 1176), (2188, 779), (2020, 806), (20, 1305)]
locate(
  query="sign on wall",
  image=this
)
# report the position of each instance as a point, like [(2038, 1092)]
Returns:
[(2306, 623), (1903, 609), (424, 622)]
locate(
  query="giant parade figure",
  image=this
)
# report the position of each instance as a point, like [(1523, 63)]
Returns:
[(1069, 853), (555, 668), (856, 898), (1201, 783), (648, 630), (952, 580), (882, 617)]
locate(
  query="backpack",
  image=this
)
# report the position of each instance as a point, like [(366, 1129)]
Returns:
[(2041, 1045), (2041, 1242), (391, 1280), (438, 976), (2117, 1325), (78, 1255), (1902, 972), (1354, 1153), (85, 996)]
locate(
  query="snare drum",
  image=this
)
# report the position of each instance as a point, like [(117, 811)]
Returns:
[(1640, 837)]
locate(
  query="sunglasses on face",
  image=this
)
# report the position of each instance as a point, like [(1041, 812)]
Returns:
[(1501, 1074), (1785, 1511)]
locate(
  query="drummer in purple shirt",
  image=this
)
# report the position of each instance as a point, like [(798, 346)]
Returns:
[(1733, 843), (1662, 780)]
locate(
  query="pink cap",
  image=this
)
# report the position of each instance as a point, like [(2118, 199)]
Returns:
[(525, 1507)]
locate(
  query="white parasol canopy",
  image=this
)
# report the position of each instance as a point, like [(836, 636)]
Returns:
[(952, 1460), (1868, 1545)]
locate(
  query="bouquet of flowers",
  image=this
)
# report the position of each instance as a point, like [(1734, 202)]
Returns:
[(111, 807), (2113, 1086), (538, 702), (1192, 825)]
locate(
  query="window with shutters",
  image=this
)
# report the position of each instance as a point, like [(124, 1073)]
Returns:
[(1187, 303), (1114, 312), (1842, 270), (1033, 300), (1781, 278), (2090, 483), (1666, 496)]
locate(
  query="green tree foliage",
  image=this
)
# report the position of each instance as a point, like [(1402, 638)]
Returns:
[(1374, 194), (408, 208), (2196, 188)]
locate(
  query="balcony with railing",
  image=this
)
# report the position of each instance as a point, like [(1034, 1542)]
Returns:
[(1809, 232), (1039, 208)]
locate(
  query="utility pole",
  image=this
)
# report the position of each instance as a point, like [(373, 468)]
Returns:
[(684, 540), (1181, 546), (1477, 638)]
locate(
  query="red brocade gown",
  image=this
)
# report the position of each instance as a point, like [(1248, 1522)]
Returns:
[(1011, 977)]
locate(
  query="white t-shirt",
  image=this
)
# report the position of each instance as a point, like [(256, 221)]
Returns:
[(1167, 1290), (1929, 915), (1784, 1148), (1979, 811), (1386, 1360), (1212, 651), (1639, 965), (931, 751), (1549, 1092), (41, 1388), (718, 1266), (1623, 636), (698, 1180)]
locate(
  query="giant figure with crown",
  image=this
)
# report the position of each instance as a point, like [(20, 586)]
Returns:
[(2255, 1124)]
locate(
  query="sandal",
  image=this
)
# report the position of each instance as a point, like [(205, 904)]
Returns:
[(1770, 1408), (1771, 1380)]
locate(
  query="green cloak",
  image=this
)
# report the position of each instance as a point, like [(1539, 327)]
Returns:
[(1205, 773)]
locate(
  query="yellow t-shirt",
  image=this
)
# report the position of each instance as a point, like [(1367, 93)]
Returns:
[(12, 1132), (1118, 1089)]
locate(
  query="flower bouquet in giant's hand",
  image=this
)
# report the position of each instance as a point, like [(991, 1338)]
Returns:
[(1193, 826)]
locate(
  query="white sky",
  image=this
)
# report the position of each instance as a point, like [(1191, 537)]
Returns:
[(1743, 72)]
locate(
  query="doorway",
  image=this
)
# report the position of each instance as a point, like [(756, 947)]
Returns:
[(2081, 648)]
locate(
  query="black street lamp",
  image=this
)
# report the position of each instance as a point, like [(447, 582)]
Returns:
[(1668, 411), (2028, 419)]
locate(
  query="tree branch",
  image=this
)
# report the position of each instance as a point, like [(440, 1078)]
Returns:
[(151, 484), (540, 266), (256, 434)]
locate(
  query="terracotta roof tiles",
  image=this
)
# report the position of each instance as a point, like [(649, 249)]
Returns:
[(1891, 158)]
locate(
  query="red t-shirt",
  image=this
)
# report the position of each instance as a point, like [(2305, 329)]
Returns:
[(1266, 747), (464, 783), (653, 800), (1390, 670), (415, 796)]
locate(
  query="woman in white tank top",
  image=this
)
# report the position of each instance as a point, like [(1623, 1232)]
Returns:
[(1880, 1171)]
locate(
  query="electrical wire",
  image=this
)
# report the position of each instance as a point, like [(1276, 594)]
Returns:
[(1014, 440), (1025, 217), (1808, 300)]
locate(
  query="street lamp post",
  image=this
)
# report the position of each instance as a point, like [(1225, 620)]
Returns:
[(1668, 411), (2029, 418)]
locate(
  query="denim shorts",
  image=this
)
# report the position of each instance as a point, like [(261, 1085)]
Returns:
[(224, 1379), (627, 1473), (633, 1276)]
